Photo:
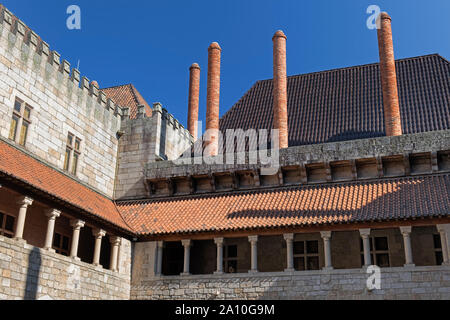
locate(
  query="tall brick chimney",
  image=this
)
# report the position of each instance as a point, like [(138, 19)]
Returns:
[(388, 77), (194, 91), (280, 118), (212, 99)]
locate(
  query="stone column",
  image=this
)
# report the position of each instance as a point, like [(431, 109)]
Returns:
[(326, 236), (115, 243), (365, 233), (159, 256), (76, 225), (254, 245), (51, 214), (289, 237), (24, 203), (444, 231), (98, 234), (406, 233), (187, 256), (219, 244)]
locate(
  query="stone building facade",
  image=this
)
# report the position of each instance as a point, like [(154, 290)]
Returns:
[(103, 196)]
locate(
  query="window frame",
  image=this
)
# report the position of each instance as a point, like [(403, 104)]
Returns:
[(3, 231), (22, 121), (375, 252), (227, 259), (59, 249), (72, 154), (437, 250)]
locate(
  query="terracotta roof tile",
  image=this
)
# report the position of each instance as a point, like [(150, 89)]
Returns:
[(385, 199), (128, 96), (18, 165)]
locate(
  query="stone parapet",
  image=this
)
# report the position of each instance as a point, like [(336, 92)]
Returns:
[(373, 158), (396, 283)]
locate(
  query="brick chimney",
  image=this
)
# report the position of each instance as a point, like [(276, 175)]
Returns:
[(280, 118), (212, 99), (194, 91), (388, 77)]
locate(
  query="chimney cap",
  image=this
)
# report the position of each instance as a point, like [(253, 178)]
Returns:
[(385, 15), (195, 66), (279, 34), (214, 45)]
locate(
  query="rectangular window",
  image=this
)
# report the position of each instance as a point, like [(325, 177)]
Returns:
[(72, 155), (379, 250), (66, 159), (6, 225), (21, 120), (230, 258), (306, 255), (23, 134), (438, 249), (18, 106), (13, 128), (61, 244), (74, 163), (77, 144)]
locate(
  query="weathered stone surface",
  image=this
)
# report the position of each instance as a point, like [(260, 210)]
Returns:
[(319, 153), (59, 277)]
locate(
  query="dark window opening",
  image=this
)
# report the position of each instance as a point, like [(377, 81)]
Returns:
[(438, 249), (306, 255), (230, 259), (7, 225), (173, 259), (61, 244)]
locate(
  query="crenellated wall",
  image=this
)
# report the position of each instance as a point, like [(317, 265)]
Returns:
[(30, 71), (145, 140)]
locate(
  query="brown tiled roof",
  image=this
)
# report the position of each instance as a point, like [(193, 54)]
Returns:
[(387, 199), (128, 96), (347, 104), (18, 165)]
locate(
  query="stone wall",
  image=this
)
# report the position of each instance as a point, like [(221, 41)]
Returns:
[(27, 272), (318, 153), (144, 141), (30, 71), (396, 283)]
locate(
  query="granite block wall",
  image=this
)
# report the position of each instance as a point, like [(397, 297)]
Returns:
[(27, 272)]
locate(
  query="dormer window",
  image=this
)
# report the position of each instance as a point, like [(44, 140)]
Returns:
[(20, 123)]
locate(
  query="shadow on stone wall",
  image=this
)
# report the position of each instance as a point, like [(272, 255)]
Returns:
[(34, 268)]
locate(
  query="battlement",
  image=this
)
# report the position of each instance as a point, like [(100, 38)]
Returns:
[(37, 56), (158, 111)]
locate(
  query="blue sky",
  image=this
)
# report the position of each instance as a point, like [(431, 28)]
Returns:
[(152, 43)]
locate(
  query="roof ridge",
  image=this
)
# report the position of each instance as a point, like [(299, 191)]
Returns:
[(118, 86), (133, 91)]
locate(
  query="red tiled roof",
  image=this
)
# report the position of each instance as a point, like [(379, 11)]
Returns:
[(20, 166), (128, 96), (367, 201), (347, 104)]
